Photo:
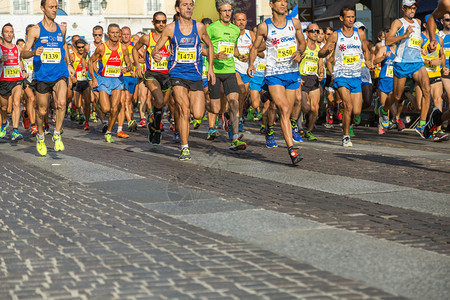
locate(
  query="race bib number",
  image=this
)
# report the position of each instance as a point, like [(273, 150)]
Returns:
[(447, 52), (228, 48), (390, 71), (414, 43), (261, 67), (205, 73), (431, 68), (285, 53), (310, 68), (112, 71), (363, 64), (12, 72), (51, 56), (351, 60), (186, 55), (30, 68), (162, 65), (82, 76)]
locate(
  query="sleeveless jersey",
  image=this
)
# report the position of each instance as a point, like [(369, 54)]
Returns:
[(81, 76), (28, 65), (111, 62), (446, 46), (310, 63), (162, 65), (387, 69), (186, 60), (50, 65), (347, 55), (261, 64), (11, 70), (244, 44), (408, 49), (433, 71), (130, 54), (281, 44)]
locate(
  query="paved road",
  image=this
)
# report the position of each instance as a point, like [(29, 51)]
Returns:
[(128, 220)]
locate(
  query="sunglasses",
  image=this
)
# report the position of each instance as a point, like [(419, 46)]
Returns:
[(82, 47), (97, 35), (447, 20), (410, 7), (160, 21), (314, 31)]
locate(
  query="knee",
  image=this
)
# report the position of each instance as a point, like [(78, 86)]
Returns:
[(242, 89)]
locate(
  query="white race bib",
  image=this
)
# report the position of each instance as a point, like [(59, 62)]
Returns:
[(112, 71), (390, 71), (82, 76)]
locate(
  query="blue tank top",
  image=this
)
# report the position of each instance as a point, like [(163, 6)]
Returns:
[(50, 66), (185, 61), (387, 70), (446, 46)]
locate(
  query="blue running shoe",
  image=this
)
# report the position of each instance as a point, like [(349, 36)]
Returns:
[(241, 125), (212, 134), (270, 141), (383, 119), (3, 129), (419, 130), (296, 135), (16, 135)]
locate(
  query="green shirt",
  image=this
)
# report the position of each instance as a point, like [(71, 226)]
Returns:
[(226, 37)]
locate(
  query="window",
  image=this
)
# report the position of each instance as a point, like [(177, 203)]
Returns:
[(153, 5), (96, 8), (20, 6), (62, 4)]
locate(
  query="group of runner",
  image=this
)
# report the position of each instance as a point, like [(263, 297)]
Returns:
[(216, 67)]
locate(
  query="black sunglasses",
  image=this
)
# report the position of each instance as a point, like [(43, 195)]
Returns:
[(160, 21), (314, 31), (447, 20), (97, 35), (80, 47)]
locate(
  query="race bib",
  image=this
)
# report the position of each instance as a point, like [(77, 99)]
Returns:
[(162, 65), (12, 72), (205, 73), (226, 47), (112, 71), (415, 43), (51, 56), (390, 71), (351, 60), (447, 52), (310, 68), (285, 53), (261, 67), (432, 68), (186, 55), (30, 68), (82, 76)]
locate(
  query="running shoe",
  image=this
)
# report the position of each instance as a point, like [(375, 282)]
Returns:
[(40, 146), (16, 135), (241, 125), (400, 125), (440, 136), (270, 141), (81, 120), (156, 140), (3, 129), (310, 136), (393, 124), (237, 144), (185, 154), (296, 135), (196, 124), (419, 129), (105, 127), (295, 156), (151, 132), (381, 130), (340, 111), (434, 122), (34, 130), (383, 118), (258, 117), (77, 117), (46, 129), (132, 125), (59, 146), (86, 126), (212, 134), (357, 120), (251, 115), (122, 135), (329, 117), (263, 129), (161, 126), (351, 133), (225, 121), (108, 138), (72, 115), (93, 117), (328, 125), (346, 142), (219, 123), (142, 123), (205, 117), (25, 120), (176, 137)]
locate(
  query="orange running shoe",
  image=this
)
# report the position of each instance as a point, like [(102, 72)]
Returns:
[(34, 130), (25, 120), (122, 135)]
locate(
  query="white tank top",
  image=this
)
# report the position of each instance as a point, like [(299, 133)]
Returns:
[(244, 44), (408, 50), (261, 64), (281, 44), (347, 55)]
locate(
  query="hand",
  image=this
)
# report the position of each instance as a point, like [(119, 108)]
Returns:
[(424, 52), (221, 56), (211, 76), (39, 51), (71, 70), (4, 58), (139, 72), (369, 65), (124, 70), (432, 46), (243, 58), (409, 30), (320, 76), (25, 75), (446, 71), (157, 57), (250, 71), (296, 57), (94, 83)]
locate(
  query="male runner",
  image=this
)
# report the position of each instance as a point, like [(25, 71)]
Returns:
[(185, 67), (82, 90), (110, 56), (51, 71), (11, 82), (349, 50), (281, 34), (97, 34)]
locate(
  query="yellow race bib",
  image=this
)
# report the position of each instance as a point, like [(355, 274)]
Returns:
[(447, 52), (351, 59), (285, 53), (112, 71), (390, 71), (228, 48), (82, 76), (415, 43), (51, 56), (186, 55), (12, 72), (261, 67), (161, 65)]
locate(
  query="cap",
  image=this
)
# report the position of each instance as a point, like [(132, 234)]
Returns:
[(359, 25), (427, 16), (409, 3), (80, 41)]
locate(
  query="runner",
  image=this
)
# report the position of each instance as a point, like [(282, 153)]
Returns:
[(110, 56), (81, 88), (224, 36), (51, 71), (97, 34), (185, 67), (349, 48), (281, 35), (156, 75), (311, 69), (408, 62), (12, 74)]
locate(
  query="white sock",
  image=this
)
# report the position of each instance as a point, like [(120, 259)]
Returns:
[(119, 128), (184, 146), (56, 133)]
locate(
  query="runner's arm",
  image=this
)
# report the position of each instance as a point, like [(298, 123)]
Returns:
[(261, 33), (66, 54), (442, 8), (390, 36), (366, 50), (126, 56), (33, 35), (329, 46), (205, 38), (380, 56), (165, 35), (94, 59), (300, 36)]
